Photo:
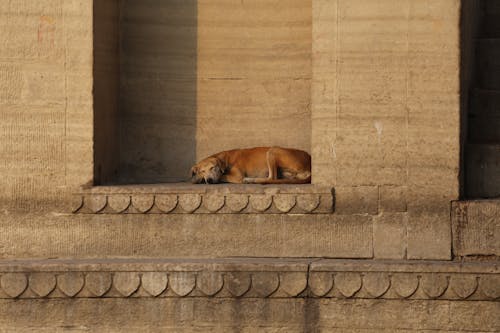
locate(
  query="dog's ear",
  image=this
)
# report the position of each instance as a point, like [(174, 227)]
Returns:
[(221, 165), (192, 175), (194, 171)]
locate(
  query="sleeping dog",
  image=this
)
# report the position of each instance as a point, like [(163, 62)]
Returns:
[(260, 165)]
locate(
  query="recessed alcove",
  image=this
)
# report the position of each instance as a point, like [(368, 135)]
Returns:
[(178, 80)]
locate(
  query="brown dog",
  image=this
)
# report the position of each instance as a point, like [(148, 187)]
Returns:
[(260, 165)]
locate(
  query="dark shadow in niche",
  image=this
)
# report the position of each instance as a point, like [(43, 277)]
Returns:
[(479, 79), (106, 71), (158, 86), (469, 26)]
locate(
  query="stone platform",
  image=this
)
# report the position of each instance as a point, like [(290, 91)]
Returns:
[(252, 294)]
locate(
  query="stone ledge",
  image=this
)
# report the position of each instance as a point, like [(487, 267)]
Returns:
[(183, 198), (251, 278)]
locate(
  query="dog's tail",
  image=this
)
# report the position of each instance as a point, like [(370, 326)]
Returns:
[(280, 181)]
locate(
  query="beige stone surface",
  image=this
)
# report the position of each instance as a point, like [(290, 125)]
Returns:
[(248, 293), (476, 228), (186, 198), (248, 315), (390, 236), (46, 106), (185, 235), (356, 200), (370, 88), (158, 90), (393, 199), (199, 77), (248, 278), (385, 76), (375, 97), (254, 74)]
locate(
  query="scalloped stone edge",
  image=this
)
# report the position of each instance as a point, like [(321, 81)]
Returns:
[(203, 203), (257, 279)]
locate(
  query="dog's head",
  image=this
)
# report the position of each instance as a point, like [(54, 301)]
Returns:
[(207, 171)]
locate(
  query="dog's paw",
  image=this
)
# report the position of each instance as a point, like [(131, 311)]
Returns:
[(247, 180)]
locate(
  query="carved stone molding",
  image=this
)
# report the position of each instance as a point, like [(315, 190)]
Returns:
[(254, 278), (204, 199)]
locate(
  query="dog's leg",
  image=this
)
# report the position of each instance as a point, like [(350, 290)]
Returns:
[(272, 178), (234, 178), (271, 167), (276, 181), (271, 164)]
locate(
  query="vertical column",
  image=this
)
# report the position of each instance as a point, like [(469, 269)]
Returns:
[(434, 114), (78, 40), (324, 91)]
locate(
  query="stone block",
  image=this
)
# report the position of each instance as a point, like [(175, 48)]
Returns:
[(476, 228), (187, 235), (389, 236), (429, 227), (11, 83), (356, 200), (183, 198), (215, 295), (218, 98), (248, 278), (269, 315), (44, 87), (429, 235), (393, 199)]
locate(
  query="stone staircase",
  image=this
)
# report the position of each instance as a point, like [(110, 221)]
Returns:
[(483, 148), (248, 295)]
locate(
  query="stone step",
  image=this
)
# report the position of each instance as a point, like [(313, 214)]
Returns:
[(488, 64), (246, 278), (248, 295), (490, 27), (482, 164)]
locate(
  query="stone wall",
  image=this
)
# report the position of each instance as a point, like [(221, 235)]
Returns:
[(45, 101), (158, 90), (386, 113), (371, 88), (385, 118), (199, 77), (248, 295)]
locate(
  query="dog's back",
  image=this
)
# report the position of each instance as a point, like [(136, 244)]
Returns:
[(262, 165)]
